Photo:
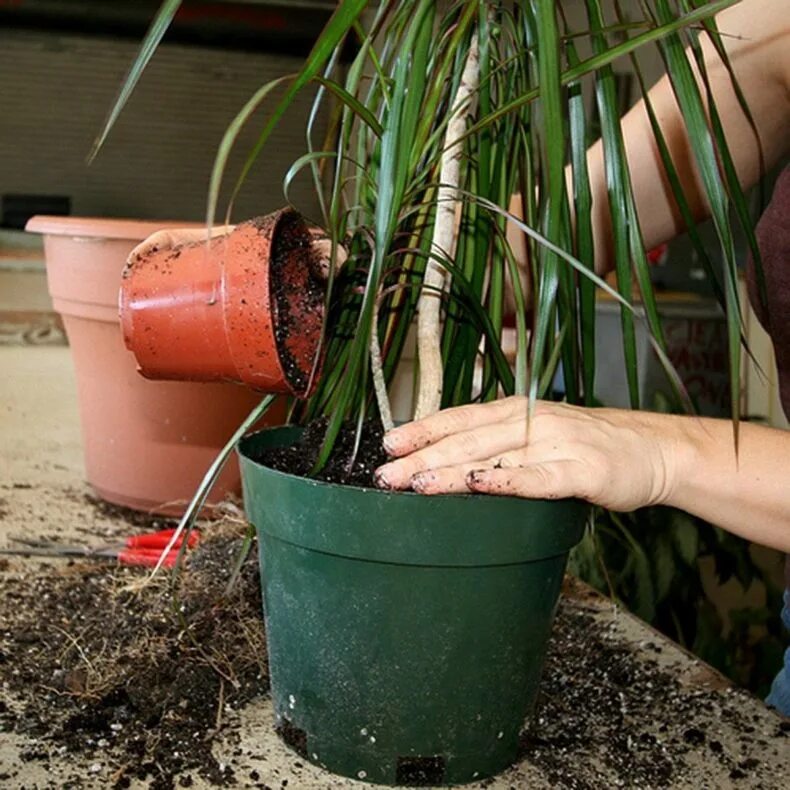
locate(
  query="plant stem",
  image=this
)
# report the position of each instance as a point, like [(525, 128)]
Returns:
[(192, 512), (377, 371), (429, 397)]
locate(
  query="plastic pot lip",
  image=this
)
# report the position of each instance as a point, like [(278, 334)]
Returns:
[(402, 528), (380, 492), (103, 312), (102, 227)]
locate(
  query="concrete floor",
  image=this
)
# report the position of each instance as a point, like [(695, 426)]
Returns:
[(40, 473)]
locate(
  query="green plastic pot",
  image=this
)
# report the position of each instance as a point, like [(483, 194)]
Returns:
[(406, 634)]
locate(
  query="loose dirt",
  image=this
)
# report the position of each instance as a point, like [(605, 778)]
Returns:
[(97, 665), (105, 667), (610, 716)]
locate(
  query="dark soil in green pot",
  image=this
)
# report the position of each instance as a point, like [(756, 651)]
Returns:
[(406, 634)]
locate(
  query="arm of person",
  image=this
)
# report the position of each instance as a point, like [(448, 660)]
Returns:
[(621, 460), (756, 36)]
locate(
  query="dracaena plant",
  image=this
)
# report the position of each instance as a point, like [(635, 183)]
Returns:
[(444, 113)]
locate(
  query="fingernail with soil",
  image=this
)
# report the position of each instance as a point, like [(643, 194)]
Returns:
[(380, 477), (476, 478), (420, 482), (389, 443)]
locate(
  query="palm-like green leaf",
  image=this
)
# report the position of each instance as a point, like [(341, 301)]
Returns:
[(334, 33), (611, 54), (704, 150), (153, 37), (553, 111), (377, 177), (618, 186), (585, 252)]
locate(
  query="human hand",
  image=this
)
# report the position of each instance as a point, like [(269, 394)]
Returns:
[(321, 245), (322, 253), (173, 237), (621, 460)]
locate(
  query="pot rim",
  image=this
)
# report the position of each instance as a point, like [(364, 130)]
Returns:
[(383, 492), (102, 227), (402, 527)]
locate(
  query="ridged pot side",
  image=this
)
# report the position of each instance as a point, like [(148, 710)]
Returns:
[(406, 634)]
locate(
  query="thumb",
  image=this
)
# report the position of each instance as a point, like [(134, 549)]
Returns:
[(161, 240), (170, 238)]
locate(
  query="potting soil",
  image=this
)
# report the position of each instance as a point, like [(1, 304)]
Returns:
[(348, 464), (298, 300), (606, 719), (97, 665), (103, 666)]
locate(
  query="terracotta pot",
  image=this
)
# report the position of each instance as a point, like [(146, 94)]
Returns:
[(147, 444), (244, 307)]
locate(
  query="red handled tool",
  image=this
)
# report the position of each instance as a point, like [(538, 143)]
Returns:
[(142, 550)]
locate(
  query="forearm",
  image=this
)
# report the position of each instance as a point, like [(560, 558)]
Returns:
[(755, 34), (748, 495)]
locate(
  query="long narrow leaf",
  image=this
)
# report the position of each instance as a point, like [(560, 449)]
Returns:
[(359, 109), (691, 104), (159, 25), (585, 251), (187, 522), (582, 269), (342, 20), (608, 56), (618, 188), (549, 76)]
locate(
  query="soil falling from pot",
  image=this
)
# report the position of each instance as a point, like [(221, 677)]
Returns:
[(133, 676), (298, 302), (348, 464)]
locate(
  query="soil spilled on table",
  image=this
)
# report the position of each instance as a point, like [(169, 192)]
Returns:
[(129, 675), (348, 464), (607, 717), (126, 677), (298, 302)]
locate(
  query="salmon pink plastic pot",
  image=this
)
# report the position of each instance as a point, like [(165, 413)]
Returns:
[(245, 307), (146, 444)]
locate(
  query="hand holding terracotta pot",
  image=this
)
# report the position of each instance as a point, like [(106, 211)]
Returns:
[(246, 306), (170, 239)]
